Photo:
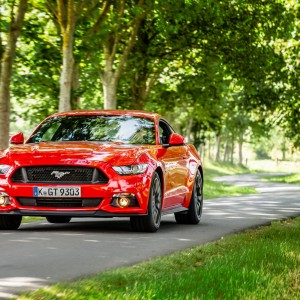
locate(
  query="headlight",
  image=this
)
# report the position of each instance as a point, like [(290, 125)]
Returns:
[(4, 169), (131, 170)]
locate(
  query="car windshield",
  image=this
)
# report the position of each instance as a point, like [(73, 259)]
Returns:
[(123, 129)]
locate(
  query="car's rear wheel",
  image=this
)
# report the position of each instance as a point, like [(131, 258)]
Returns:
[(193, 215), (58, 219), (10, 222), (150, 222)]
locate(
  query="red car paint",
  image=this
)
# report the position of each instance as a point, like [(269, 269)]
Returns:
[(176, 164)]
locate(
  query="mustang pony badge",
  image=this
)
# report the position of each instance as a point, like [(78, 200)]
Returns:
[(58, 174)]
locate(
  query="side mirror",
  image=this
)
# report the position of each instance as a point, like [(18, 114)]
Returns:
[(17, 139), (176, 139)]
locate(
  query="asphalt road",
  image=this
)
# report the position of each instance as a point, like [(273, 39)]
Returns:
[(40, 253)]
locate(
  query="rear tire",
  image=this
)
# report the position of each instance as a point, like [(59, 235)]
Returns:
[(58, 219), (10, 222), (150, 222), (193, 215)]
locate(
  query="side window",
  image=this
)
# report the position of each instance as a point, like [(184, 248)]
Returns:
[(164, 132)]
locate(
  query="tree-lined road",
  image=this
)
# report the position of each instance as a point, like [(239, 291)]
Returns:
[(41, 253)]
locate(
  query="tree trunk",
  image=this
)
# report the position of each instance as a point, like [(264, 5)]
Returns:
[(109, 91), (226, 151), (218, 150), (109, 82), (232, 149), (67, 24), (66, 75), (241, 140), (139, 92), (189, 130), (110, 75), (75, 96), (209, 148), (6, 71)]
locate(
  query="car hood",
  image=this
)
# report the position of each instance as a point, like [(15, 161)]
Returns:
[(72, 152)]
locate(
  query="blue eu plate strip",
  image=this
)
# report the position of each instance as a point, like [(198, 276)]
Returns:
[(35, 191)]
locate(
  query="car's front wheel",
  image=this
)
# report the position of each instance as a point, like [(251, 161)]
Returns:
[(10, 222), (150, 222), (58, 219), (193, 215)]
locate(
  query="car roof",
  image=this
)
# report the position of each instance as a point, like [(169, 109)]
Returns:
[(134, 113)]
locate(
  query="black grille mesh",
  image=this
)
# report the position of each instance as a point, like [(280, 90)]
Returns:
[(17, 177), (59, 174), (60, 202)]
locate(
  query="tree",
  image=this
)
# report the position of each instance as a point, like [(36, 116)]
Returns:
[(8, 51), (122, 27), (67, 13)]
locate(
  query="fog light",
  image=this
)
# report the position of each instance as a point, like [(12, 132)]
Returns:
[(4, 199), (124, 200)]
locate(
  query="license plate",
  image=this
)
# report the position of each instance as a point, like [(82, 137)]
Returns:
[(59, 192)]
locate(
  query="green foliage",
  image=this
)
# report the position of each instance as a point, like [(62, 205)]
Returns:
[(210, 66), (259, 264)]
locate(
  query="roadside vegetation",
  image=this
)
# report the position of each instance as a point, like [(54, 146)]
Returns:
[(291, 178), (261, 263), (214, 189), (31, 219)]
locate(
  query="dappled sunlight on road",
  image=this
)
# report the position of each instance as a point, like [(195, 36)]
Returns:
[(40, 253), (18, 285), (274, 201)]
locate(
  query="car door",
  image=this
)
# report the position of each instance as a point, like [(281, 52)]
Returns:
[(174, 159)]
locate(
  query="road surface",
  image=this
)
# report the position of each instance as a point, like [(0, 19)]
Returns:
[(40, 253)]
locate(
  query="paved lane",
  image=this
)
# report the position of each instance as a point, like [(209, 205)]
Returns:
[(41, 253)]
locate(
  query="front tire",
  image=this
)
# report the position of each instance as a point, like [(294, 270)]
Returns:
[(10, 222), (193, 215), (58, 219), (150, 222)]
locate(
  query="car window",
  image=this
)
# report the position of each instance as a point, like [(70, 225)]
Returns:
[(124, 129), (165, 130)]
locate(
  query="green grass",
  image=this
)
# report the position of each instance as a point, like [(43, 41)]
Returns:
[(292, 178), (259, 264), (31, 219), (214, 189)]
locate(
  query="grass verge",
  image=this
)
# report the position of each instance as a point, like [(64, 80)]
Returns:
[(31, 219), (262, 263), (292, 178), (214, 189)]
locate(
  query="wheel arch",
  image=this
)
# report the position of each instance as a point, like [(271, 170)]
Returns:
[(200, 168), (161, 176), (159, 171)]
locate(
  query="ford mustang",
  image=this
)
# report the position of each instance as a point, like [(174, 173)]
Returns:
[(101, 164)]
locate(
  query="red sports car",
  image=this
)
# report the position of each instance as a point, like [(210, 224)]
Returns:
[(101, 164)]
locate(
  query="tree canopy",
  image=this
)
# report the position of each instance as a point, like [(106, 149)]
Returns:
[(217, 69)]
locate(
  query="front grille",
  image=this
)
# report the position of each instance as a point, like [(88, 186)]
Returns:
[(60, 202), (59, 174)]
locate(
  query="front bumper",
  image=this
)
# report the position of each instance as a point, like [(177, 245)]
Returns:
[(69, 213), (137, 185)]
